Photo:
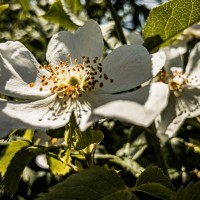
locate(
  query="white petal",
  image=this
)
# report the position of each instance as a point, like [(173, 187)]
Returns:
[(91, 100), (129, 66), (173, 58), (193, 30), (18, 68), (193, 66), (158, 60), (82, 113), (135, 38), (86, 41), (31, 114), (135, 112), (191, 100), (175, 125), (171, 119)]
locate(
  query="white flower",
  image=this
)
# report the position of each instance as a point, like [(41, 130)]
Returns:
[(74, 81), (184, 87)]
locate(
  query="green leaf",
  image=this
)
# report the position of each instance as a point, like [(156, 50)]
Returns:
[(57, 15), (72, 12), (25, 5), (9, 153), (3, 7), (15, 169), (75, 6), (168, 20), (92, 184), (154, 174), (88, 137), (25, 134), (57, 165), (155, 189), (191, 192)]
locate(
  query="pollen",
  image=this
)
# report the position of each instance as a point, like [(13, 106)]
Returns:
[(31, 84), (176, 81), (72, 77)]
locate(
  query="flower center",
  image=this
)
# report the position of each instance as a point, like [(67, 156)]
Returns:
[(70, 79), (73, 81), (176, 82)]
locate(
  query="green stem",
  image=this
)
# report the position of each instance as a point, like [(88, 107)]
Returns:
[(89, 159), (117, 22), (156, 144)]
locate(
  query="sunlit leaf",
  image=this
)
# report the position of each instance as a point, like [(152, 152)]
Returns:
[(58, 165), (168, 20), (25, 134), (15, 169), (70, 11), (57, 15), (88, 137), (25, 5), (8, 154), (75, 5), (93, 183), (3, 7)]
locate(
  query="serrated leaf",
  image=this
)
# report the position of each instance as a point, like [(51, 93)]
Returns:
[(191, 192), (154, 174), (58, 166), (8, 154), (168, 20), (155, 189), (88, 137), (92, 184), (3, 7), (15, 169), (57, 15)]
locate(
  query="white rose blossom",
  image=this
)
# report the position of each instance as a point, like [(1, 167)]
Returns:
[(184, 87), (75, 80)]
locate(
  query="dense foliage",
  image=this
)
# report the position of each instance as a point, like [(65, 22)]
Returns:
[(113, 158)]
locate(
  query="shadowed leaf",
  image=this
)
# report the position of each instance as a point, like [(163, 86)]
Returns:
[(92, 184)]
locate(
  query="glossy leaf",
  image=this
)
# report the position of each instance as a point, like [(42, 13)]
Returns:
[(168, 20)]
